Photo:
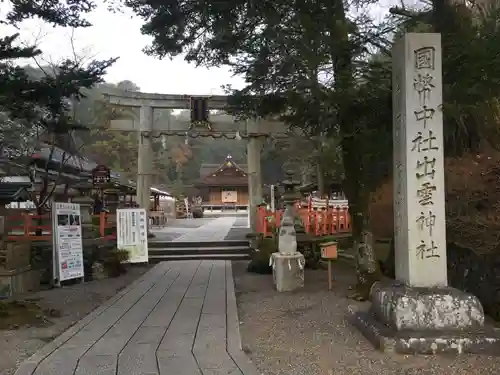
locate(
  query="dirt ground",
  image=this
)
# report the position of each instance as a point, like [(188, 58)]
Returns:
[(71, 304), (306, 332)]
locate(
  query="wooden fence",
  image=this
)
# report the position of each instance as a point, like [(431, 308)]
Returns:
[(327, 222), (31, 227)]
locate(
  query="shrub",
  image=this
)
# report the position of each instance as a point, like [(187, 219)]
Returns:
[(472, 202), (96, 221), (112, 259), (260, 257), (312, 254), (197, 212), (41, 260), (114, 262)]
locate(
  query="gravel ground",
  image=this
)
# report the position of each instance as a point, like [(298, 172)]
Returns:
[(73, 302), (306, 332)]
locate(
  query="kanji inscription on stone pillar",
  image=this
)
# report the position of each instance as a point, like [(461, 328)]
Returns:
[(419, 193)]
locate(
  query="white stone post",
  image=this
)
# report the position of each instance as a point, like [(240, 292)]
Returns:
[(419, 193), (145, 168)]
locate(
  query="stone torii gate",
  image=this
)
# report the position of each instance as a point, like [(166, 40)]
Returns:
[(142, 120)]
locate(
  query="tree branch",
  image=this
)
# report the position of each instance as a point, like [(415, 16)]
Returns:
[(409, 13)]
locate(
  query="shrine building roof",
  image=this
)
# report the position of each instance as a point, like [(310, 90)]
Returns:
[(226, 174)]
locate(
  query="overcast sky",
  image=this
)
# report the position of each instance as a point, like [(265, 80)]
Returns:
[(118, 35)]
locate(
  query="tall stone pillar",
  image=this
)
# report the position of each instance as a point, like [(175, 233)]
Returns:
[(145, 169), (419, 194), (254, 179), (418, 313)]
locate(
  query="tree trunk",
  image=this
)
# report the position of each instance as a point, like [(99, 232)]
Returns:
[(65, 192), (367, 267), (342, 56), (39, 220), (320, 178)]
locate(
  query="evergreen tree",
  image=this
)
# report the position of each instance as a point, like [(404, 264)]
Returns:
[(45, 100), (34, 104), (282, 48)]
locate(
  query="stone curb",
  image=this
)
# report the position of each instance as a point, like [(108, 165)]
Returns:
[(29, 366), (482, 341), (379, 341), (233, 328)]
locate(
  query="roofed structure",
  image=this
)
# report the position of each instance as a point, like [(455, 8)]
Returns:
[(207, 168), (13, 191), (61, 165), (227, 173), (223, 186)]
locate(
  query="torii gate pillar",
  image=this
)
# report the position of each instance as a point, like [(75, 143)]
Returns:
[(145, 170), (254, 148)]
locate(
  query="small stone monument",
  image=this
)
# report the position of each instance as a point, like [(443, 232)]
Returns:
[(86, 204), (86, 209), (420, 313), (288, 264)]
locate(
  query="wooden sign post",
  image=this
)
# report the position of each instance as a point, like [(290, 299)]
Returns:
[(329, 253), (101, 175)]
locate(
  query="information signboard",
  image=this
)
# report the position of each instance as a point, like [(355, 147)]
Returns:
[(67, 241), (132, 233)]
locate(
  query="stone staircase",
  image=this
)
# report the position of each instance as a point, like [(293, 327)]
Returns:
[(215, 250)]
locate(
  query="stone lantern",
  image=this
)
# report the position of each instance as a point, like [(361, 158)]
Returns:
[(287, 263), (290, 193), (287, 242)]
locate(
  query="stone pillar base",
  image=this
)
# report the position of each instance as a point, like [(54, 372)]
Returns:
[(288, 271), (414, 320)]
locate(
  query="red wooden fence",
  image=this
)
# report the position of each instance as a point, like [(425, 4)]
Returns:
[(326, 222), (28, 226)]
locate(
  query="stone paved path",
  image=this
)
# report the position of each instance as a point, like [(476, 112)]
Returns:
[(241, 222), (215, 230), (178, 319)]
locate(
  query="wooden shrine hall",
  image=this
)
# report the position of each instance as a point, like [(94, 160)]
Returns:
[(223, 187)]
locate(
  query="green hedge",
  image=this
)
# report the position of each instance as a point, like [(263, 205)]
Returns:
[(260, 257)]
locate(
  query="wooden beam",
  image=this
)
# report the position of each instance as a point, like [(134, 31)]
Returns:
[(139, 99)]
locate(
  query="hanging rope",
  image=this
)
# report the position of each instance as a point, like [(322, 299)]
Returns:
[(217, 135)]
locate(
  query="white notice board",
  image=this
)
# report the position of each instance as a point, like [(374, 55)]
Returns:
[(229, 196), (132, 233), (67, 241)]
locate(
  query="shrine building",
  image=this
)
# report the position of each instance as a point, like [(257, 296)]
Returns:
[(223, 187)]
